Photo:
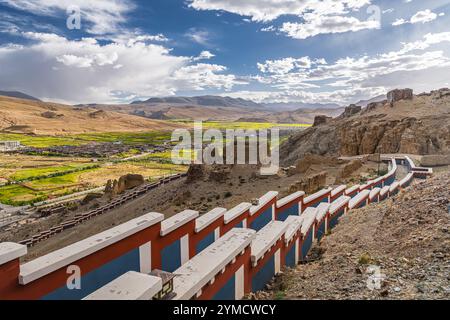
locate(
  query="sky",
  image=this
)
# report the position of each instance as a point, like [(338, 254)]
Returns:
[(269, 51)]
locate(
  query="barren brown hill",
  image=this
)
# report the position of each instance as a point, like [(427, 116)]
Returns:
[(164, 111), (167, 111), (416, 125), (304, 115), (26, 116)]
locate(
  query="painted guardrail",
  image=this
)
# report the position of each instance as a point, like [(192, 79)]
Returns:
[(223, 254)]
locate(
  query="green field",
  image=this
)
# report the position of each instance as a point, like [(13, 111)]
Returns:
[(17, 195), (27, 174), (81, 139), (40, 189), (136, 138), (67, 176), (221, 125)]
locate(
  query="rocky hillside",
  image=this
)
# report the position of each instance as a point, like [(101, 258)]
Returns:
[(35, 117), (17, 94), (173, 109), (405, 123), (407, 238), (304, 115), (206, 101)]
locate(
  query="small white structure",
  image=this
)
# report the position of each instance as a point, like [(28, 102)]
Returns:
[(6, 146)]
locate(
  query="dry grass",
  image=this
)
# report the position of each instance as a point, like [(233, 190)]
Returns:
[(24, 116)]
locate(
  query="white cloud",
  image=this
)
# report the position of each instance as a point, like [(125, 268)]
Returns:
[(424, 16), (319, 24), (268, 10), (201, 76), (204, 55), (336, 96), (327, 16), (399, 22), (71, 60), (101, 16), (199, 36), (427, 41), (84, 71), (286, 65), (268, 29), (351, 79)]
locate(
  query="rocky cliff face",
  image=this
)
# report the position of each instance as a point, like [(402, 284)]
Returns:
[(420, 125)]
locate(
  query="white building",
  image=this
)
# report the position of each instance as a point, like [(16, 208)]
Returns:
[(9, 146)]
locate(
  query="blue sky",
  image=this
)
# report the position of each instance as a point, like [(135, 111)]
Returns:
[(326, 51)]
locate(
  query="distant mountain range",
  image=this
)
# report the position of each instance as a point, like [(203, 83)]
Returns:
[(291, 106), (205, 101), (228, 102), (217, 108), (17, 94)]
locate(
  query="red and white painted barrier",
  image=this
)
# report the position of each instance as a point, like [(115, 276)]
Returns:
[(264, 212), (352, 191), (374, 195), (216, 255), (322, 196), (204, 276), (290, 205), (322, 216), (292, 237), (360, 200), (338, 192), (236, 217)]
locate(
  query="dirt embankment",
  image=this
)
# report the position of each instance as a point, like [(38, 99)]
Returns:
[(406, 237)]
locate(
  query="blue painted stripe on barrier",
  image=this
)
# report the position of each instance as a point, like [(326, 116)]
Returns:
[(264, 275), (307, 244), (325, 200), (205, 242), (321, 231), (262, 220), (227, 292), (171, 257), (290, 257), (389, 181), (335, 220), (341, 212), (292, 211), (99, 277), (362, 204)]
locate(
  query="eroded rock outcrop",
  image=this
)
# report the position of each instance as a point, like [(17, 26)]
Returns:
[(309, 184), (351, 110), (126, 182), (420, 126), (319, 120), (399, 94)]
